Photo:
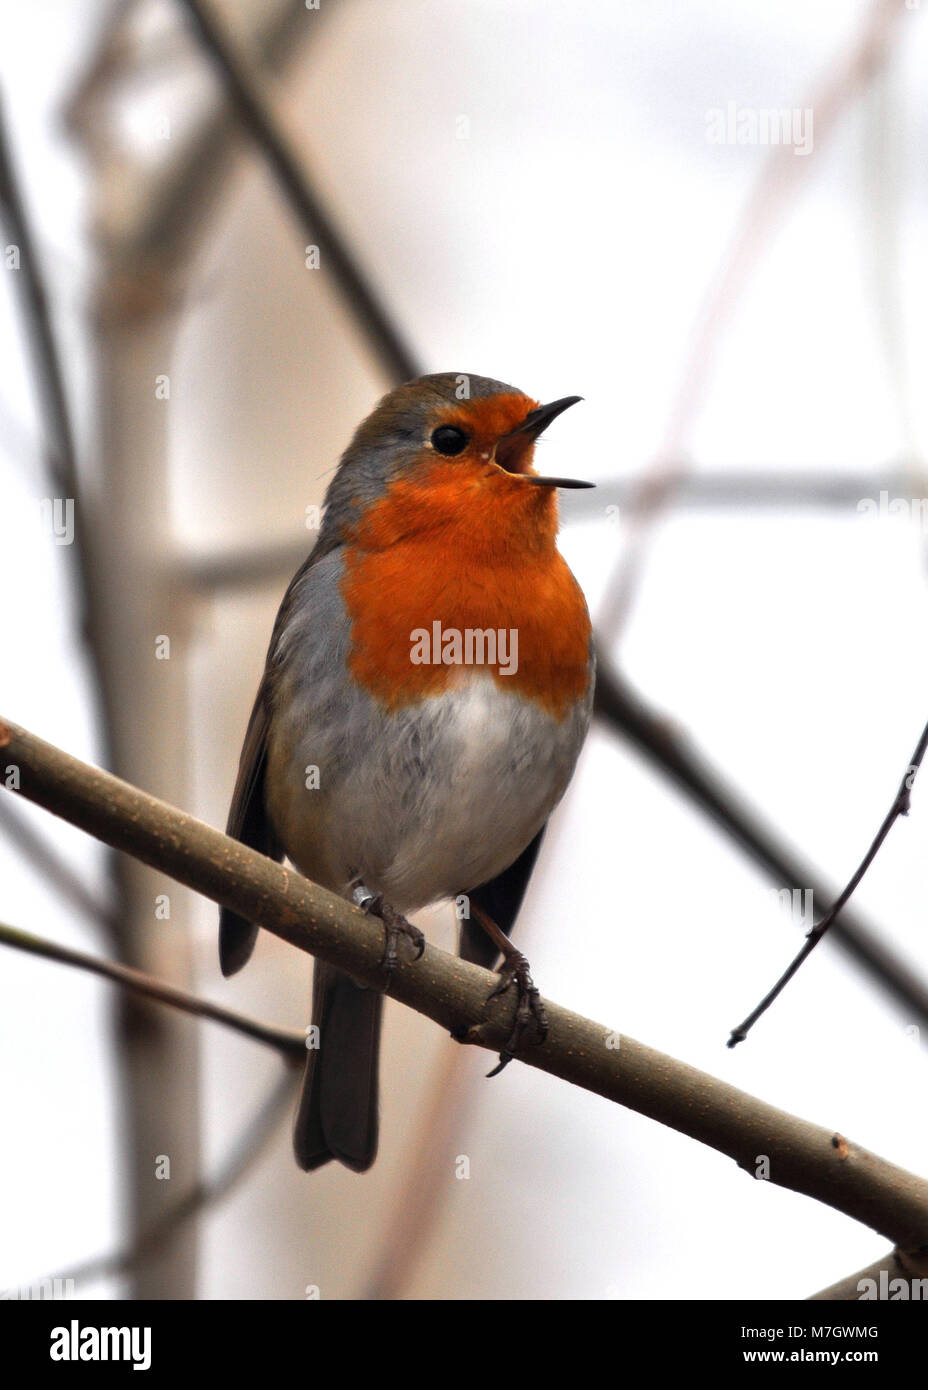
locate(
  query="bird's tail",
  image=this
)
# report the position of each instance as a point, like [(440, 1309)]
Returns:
[(338, 1111)]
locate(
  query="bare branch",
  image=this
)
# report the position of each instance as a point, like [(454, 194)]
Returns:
[(242, 567), (720, 489), (287, 1041), (245, 96), (900, 807), (773, 488), (454, 993), (55, 869), (660, 741)]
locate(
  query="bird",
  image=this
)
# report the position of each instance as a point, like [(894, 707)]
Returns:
[(427, 690)]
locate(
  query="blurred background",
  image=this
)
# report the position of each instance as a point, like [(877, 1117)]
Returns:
[(708, 219)]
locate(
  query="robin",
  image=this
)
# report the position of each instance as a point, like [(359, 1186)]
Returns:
[(427, 690)]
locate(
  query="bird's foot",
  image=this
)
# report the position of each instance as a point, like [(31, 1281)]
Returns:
[(395, 926), (530, 1011)]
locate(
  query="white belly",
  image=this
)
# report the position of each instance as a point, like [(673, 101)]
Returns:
[(422, 804)]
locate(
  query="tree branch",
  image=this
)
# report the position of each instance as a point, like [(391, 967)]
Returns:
[(54, 868), (246, 99), (454, 993), (657, 738), (285, 1040), (900, 807)]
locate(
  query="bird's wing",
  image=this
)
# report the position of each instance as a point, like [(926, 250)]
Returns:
[(248, 822), (500, 899), (248, 819)]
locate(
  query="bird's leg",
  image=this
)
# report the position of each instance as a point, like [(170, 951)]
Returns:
[(395, 925), (530, 1012)]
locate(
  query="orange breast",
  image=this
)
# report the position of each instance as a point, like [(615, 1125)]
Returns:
[(469, 548)]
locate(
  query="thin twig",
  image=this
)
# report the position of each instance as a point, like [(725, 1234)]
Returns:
[(900, 807), (458, 995), (287, 1041), (659, 740), (254, 113), (777, 489), (54, 868)]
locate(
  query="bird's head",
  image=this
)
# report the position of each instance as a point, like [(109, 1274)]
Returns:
[(457, 443)]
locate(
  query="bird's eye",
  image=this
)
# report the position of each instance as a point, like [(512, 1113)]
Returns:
[(448, 439)]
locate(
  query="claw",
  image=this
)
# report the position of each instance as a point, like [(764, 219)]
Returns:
[(530, 1012), (504, 1059), (394, 923)]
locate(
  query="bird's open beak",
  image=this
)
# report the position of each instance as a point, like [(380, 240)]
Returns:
[(514, 449)]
